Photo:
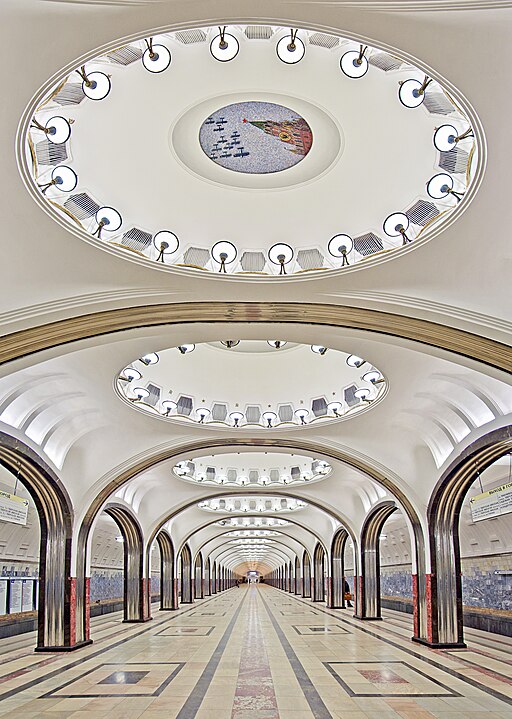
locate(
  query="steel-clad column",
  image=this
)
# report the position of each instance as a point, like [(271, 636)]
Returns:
[(168, 585), (368, 597)]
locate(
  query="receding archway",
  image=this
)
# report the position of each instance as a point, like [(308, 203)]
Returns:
[(306, 575), (168, 583), (57, 588), (444, 585), (319, 574), (336, 600), (137, 603), (186, 586)]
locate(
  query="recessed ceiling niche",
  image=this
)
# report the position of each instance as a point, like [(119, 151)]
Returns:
[(349, 151), (255, 470), (258, 384)]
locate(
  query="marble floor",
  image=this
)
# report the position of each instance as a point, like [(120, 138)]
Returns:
[(259, 653)]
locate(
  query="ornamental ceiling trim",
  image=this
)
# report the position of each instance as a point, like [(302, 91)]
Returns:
[(26, 342)]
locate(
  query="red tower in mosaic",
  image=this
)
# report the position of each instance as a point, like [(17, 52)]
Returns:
[(295, 133)]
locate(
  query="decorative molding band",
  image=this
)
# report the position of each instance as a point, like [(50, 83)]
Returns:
[(55, 334)]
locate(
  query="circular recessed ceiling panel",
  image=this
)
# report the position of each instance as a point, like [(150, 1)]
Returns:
[(256, 504), (252, 469), (255, 523), (254, 137), (256, 384)]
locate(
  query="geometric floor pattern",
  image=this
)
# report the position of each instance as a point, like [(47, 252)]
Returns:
[(257, 653)]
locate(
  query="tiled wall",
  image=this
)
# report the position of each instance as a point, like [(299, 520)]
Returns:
[(482, 587), (106, 584), (396, 581)]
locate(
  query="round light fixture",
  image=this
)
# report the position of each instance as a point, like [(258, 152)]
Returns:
[(57, 129), (290, 48), (441, 185), (412, 92), (237, 417), (202, 413), (108, 219), (318, 349), (354, 64), (156, 58), (276, 344), (280, 254), (141, 392), (372, 376), (224, 253), (166, 242), (335, 408), (169, 406), (269, 418), (230, 343), (130, 373), (63, 178), (95, 85), (396, 225), (224, 46), (446, 137), (363, 393), (341, 246), (302, 413), (185, 349), (355, 361), (150, 358)]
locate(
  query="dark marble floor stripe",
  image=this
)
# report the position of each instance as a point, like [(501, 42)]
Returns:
[(313, 698), (417, 655), (196, 696), (82, 659)]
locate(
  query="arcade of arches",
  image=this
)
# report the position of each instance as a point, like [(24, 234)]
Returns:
[(325, 517)]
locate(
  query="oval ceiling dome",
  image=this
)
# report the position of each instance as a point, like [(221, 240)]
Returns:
[(251, 151)]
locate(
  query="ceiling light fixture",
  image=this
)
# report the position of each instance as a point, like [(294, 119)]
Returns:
[(236, 417), (446, 137), (63, 178), (96, 85), (141, 393), (363, 393), (166, 242), (373, 376), (57, 129), (202, 413), (108, 219), (150, 358), (302, 414), (280, 254), (354, 64), (224, 46), (318, 349), (412, 92), (169, 406), (230, 343), (269, 417), (335, 408), (396, 225), (341, 246), (355, 361), (156, 58), (290, 48), (185, 349), (129, 374), (441, 185), (224, 253), (276, 344)]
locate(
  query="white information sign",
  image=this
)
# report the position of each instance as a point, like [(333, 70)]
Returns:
[(13, 509), (27, 594), (15, 596), (493, 503), (3, 596)]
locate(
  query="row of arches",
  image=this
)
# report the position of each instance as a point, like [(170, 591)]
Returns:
[(63, 615)]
